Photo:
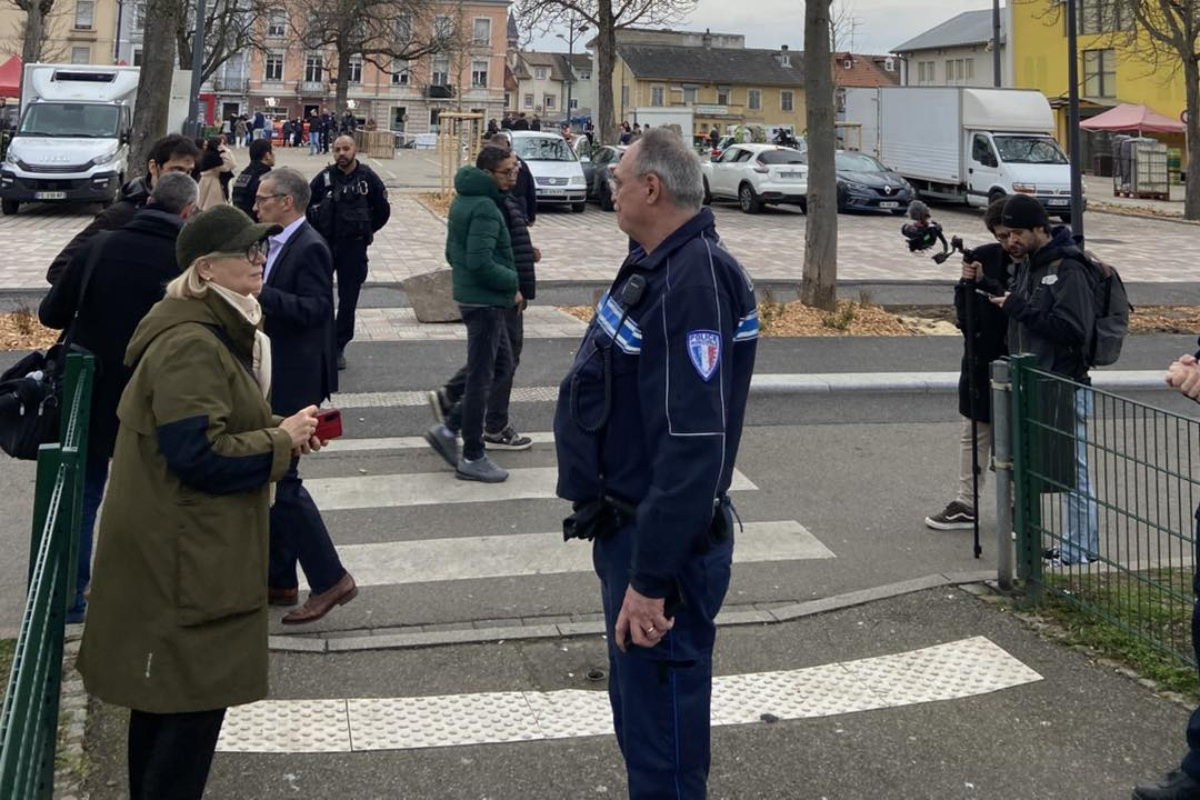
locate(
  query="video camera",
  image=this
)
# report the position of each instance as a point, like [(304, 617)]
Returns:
[(956, 246)]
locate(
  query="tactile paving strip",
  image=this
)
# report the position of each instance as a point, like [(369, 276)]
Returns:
[(943, 672)]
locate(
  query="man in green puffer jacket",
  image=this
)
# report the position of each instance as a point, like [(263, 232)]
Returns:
[(479, 249)]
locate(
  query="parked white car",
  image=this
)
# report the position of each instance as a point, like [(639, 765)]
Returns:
[(757, 174), (555, 167)]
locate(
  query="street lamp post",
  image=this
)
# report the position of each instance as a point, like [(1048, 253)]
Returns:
[(1073, 120), (570, 40), (194, 123)]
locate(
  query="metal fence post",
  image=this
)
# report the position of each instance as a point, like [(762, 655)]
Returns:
[(1002, 464), (1027, 496)]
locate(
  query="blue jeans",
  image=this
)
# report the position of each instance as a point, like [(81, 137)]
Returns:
[(1081, 526), (314, 142), (95, 477)]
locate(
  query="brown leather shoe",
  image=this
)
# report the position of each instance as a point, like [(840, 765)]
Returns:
[(282, 597), (318, 605)]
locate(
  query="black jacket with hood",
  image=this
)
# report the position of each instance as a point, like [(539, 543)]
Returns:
[(989, 330), (134, 195), (1051, 311)]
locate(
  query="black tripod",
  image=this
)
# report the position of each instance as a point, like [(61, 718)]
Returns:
[(969, 287)]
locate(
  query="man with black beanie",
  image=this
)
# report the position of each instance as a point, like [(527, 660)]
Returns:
[(1051, 310)]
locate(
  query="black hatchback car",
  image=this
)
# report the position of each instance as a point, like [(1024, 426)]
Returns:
[(597, 169), (863, 183)]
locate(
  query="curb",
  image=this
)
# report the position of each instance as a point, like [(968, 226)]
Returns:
[(926, 382), (72, 724), (788, 613)]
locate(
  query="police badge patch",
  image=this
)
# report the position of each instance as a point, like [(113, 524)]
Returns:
[(704, 348)]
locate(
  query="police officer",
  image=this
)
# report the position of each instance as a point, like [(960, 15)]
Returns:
[(647, 429), (349, 205), (262, 160)]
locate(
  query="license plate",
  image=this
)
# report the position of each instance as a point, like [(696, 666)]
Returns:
[(889, 204), (555, 192), (50, 195), (791, 176), (1058, 202)]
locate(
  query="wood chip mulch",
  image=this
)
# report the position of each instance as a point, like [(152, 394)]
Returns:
[(21, 330), (436, 203)]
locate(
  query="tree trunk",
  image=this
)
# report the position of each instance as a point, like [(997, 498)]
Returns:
[(819, 288), (154, 88), (606, 56), (1191, 205), (343, 81), (35, 21)]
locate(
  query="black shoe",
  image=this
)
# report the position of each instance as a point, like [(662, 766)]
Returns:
[(507, 439), (341, 362), (955, 516), (1175, 785)]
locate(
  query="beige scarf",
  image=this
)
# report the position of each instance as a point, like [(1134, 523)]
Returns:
[(251, 311)]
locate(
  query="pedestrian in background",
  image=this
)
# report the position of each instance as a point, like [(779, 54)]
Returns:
[(314, 134), (215, 162), (262, 159), (177, 630), (239, 132), (297, 303), (349, 206), (486, 286), (647, 430), (990, 272), (1051, 310), (106, 290)]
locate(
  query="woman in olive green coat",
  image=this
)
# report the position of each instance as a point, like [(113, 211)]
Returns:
[(177, 622)]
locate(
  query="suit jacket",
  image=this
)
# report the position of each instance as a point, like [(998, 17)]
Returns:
[(297, 303)]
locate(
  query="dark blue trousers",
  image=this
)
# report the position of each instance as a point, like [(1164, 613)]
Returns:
[(298, 534), (661, 696), (350, 266), (1191, 762)]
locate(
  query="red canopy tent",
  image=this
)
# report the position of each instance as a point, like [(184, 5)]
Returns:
[(1128, 117), (10, 77)]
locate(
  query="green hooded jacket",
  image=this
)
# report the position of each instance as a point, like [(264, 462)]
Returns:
[(478, 245), (177, 616)]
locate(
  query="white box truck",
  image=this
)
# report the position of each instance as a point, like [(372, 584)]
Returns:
[(658, 117), (72, 143), (965, 145)]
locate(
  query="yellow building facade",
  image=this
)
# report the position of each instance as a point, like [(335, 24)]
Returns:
[(77, 32), (1110, 70)]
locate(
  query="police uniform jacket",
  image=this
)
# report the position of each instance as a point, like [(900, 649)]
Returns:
[(246, 187), (358, 204), (681, 364)]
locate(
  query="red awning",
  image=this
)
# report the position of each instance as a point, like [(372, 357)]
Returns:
[(10, 77), (1127, 117)]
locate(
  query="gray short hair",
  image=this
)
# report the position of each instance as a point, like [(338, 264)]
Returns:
[(173, 192), (662, 152), (290, 182)]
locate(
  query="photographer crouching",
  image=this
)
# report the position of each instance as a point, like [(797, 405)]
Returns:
[(986, 271)]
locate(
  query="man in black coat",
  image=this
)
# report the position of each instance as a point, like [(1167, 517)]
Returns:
[(297, 303), (262, 159), (172, 153), (991, 272), (128, 270), (520, 123)]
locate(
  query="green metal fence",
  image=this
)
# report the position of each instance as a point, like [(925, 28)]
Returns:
[(1109, 486), (29, 721)]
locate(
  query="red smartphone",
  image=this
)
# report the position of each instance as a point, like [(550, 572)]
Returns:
[(329, 424)]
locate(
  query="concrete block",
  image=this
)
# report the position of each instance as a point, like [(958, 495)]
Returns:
[(431, 296)]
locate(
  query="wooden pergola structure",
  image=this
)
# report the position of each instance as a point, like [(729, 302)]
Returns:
[(458, 144)]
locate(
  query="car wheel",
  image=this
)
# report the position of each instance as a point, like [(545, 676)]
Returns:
[(748, 199), (707, 194), (606, 200), (995, 195), (578, 208), (841, 201), (9, 207)]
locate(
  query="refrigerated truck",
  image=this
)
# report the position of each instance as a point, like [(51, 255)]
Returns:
[(965, 145)]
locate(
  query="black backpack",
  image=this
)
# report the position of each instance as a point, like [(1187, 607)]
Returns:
[(1112, 308)]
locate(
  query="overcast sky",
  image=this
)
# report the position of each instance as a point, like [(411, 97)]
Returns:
[(881, 24)]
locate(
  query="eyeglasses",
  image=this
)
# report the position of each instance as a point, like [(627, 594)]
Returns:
[(250, 253), (506, 172), (258, 198)]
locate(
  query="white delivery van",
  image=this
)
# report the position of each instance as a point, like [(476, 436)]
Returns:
[(657, 117), (72, 143), (966, 145)]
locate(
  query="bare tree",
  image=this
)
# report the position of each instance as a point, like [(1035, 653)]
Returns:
[(230, 27), (843, 25), (50, 48), (35, 28), (154, 87), (381, 32), (819, 287), (608, 17)]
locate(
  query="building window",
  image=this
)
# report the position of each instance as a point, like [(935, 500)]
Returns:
[(81, 55), (441, 71), (754, 101), (483, 31), (585, 75), (277, 24), (574, 103), (314, 69), (548, 102), (274, 71), (787, 100), (137, 56), (1103, 16), (722, 95), (443, 27), (624, 97), (402, 26), (958, 69), (529, 101), (656, 96), (139, 16), (1100, 73), (400, 73), (539, 74), (689, 95), (970, 62), (355, 69), (85, 11), (479, 73), (435, 116), (399, 113)]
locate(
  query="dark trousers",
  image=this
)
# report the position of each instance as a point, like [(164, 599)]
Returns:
[(299, 534), (496, 419), (489, 361), (170, 754), (95, 477), (1191, 762), (350, 266), (661, 696)]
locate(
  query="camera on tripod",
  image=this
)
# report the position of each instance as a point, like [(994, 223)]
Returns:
[(956, 246)]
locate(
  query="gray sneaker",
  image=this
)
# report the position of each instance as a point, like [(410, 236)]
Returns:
[(483, 470), (444, 442)]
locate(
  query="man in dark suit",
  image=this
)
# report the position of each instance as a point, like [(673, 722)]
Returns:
[(297, 303)]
